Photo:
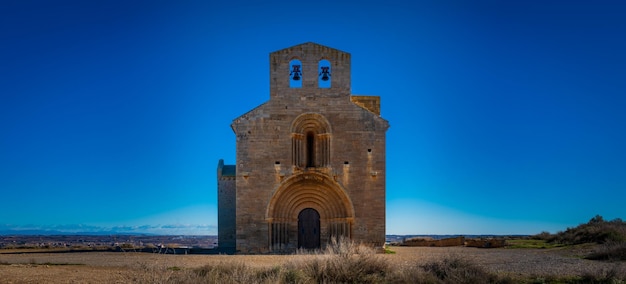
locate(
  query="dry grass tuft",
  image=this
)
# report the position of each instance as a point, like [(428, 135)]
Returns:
[(612, 251), (341, 262), (237, 272), (344, 261), (454, 269), (347, 262), (613, 275)]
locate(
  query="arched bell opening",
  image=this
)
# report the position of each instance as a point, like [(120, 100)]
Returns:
[(295, 73), (324, 73)]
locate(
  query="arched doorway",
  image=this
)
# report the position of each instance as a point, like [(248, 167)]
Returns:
[(306, 211), (309, 229)]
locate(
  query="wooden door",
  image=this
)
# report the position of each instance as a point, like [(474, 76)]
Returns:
[(309, 229)]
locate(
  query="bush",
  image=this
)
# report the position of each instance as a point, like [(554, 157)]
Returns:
[(544, 236), (613, 251), (597, 230), (344, 261), (236, 272), (457, 270), (614, 275), (347, 262)]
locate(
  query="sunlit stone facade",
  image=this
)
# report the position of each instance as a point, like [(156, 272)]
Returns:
[(310, 161)]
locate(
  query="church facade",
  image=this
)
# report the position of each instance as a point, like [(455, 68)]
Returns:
[(310, 162)]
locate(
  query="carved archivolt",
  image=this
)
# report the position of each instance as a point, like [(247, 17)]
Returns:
[(308, 190)]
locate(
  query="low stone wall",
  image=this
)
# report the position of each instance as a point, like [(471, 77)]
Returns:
[(485, 243), (426, 242), (457, 241)]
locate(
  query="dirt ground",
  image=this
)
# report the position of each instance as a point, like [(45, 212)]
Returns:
[(124, 267)]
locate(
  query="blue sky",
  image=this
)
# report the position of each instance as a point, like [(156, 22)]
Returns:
[(507, 117)]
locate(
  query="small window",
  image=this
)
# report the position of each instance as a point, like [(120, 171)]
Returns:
[(310, 150), (295, 74), (324, 76)]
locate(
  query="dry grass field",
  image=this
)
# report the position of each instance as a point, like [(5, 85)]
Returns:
[(353, 265)]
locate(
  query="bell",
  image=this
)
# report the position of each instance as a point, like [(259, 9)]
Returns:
[(295, 72), (325, 73)]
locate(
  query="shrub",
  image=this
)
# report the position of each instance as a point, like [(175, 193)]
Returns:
[(411, 274), (458, 270), (347, 262), (613, 275), (613, 251), (597, 230), (344, 261), (545, 236), (235, 272), (293, 276)]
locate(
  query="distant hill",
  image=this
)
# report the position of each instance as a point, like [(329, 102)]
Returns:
[(43, 232)]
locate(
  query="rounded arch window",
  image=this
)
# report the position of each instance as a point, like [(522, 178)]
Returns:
[(311, 141)]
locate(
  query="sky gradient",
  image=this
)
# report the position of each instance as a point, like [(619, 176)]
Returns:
[(507, 117)]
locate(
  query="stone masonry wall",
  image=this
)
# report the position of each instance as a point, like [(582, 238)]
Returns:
[(264, 148), (226, 189)]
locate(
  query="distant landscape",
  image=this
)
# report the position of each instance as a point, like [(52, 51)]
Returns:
[(593, 252), (104, 242), (610, 234), (11, 240)]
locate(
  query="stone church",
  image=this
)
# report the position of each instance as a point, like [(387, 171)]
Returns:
[(310, 162)]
